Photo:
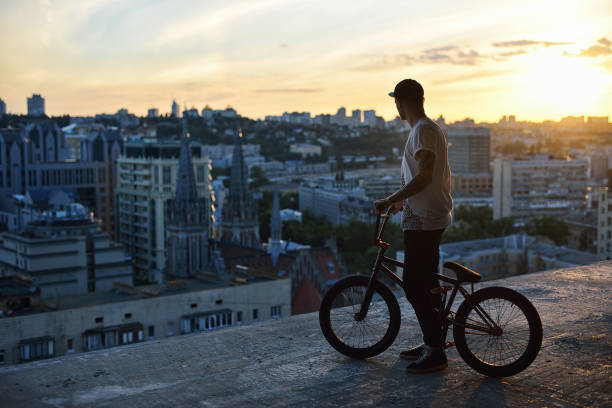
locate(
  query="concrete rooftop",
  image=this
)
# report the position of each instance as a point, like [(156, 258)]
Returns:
[(288, 363)]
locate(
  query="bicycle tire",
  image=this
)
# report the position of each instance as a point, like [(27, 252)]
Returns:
[(330, 329), (517, 361)]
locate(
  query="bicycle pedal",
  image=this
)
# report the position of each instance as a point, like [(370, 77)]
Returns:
[(449, 344)]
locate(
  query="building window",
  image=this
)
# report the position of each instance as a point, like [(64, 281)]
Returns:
[(36, 349), (194, 305), (127, 315), (219, 301), (2, 361), (70, 346), (206, 321), (110, 337), (151, 331), (166, 175), (200, 174), (255, 313), (275, 311), (239, 317), (99, 320)]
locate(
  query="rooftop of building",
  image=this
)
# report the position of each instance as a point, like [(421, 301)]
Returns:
[(287, 362), (519, 242), (124, 293)]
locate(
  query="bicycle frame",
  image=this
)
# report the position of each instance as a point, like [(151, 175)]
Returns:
[(446, 303)]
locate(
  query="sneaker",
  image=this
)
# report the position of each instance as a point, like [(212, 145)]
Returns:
[(413, 353), (433, 359)]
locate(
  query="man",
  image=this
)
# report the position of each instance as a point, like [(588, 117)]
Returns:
[(426, 203)]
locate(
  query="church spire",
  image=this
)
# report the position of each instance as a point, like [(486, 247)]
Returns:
[(185, 184), (187, 220), (239, 215)]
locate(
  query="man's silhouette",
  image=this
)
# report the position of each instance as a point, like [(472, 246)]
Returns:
[(426, 204)]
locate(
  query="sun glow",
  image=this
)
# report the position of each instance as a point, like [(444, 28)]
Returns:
[(564, 84)]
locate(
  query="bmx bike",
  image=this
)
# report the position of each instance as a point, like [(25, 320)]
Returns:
[(497, 331)]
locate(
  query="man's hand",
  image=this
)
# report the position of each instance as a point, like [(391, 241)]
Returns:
[(397, 207), (381, 205)]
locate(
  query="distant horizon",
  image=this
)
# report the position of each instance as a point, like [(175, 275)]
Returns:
[(348, 114), (540, 60)]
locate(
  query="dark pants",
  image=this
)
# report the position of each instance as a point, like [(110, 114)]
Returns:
[(421, 257)]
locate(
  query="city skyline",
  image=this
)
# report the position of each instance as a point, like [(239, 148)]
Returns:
[(268, 57)]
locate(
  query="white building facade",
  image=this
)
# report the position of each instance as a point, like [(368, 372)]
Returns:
[(539, 186), (147, 175), (111, 320)]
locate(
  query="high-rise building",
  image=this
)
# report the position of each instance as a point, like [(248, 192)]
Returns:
[(468, 149), (340, 117), (147, 176), (2, 108), (538, 186), (369, 118), (187, 221), (175, 109), (36, 105), (356, 117), (572, 121), (153, 113), (239, 224)]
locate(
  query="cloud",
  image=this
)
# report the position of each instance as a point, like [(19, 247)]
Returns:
[(441, 49), (450, 54), (603, 47), (288, 90), (205, 23), (512, 53), (386, 62), (526, 43)]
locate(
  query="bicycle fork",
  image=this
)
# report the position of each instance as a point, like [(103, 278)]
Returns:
[(365, 303)]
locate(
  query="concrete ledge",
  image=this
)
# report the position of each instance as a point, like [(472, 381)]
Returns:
[(288, 363)]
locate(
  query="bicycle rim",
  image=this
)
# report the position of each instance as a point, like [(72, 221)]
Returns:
[(362, 334)]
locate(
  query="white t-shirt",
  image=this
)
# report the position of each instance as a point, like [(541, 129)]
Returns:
[(429, 209)]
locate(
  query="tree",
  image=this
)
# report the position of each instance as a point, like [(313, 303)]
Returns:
[(550, 227), (259, 179)]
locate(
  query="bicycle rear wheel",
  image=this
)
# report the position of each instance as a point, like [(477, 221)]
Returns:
[(368, 337), (503, 352)]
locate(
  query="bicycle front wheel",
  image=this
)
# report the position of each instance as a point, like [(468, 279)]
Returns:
[(365, 338), (508, 349)]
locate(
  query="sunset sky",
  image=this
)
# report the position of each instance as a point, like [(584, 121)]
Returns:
[(482, 59)]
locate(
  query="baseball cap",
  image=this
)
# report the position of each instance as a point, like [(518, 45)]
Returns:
[(407, 89)]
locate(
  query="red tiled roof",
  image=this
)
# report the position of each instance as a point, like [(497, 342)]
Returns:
[(326, 262), (307, 299)]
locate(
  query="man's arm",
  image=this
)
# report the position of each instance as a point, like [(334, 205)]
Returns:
[(425, 160)]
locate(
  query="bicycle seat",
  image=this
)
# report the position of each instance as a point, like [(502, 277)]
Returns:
[(464, 274)]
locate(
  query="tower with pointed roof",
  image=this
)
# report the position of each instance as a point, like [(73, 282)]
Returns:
[(186, 221), (239, 224), (275, 230)]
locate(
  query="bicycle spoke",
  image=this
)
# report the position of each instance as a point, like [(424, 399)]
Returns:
[(507, 347), (359, 334)]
